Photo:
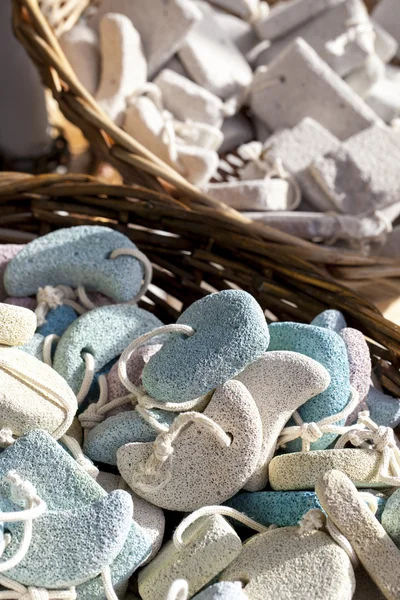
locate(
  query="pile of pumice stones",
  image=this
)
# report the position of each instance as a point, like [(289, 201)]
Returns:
[(284, 112), (218, 457)]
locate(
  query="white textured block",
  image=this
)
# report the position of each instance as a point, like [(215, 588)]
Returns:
[(245, 9), (259, 195), (240, 32), (385, 44), (124, 67), (82, 49), (212, 59), (298, 84), (175, 64), (364, 174), (297, 148), (162, 25), (146, 124), (286, 16), (387, 14), (342, 36), (188, 100), (211, 545), (237, 130), (384, 96)]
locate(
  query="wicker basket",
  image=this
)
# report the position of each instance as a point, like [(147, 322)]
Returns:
[(378, 277), (203, 252)]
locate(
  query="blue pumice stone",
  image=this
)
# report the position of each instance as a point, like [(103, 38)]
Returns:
[(103, 441), (103, 332), (230, 333), (284, 509), (76, 256), (58, 320), (330, 319), (326, 347)]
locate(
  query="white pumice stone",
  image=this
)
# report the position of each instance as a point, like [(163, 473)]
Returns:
[(290, 565), (297, 148), (124, 66), (280, 382), (286, 16), (371, 72), (212, 60), (82, 48), (187, 100), (240, 32), (162, 26), (342, 36), (387, 14), (384, 96), (385, 44), (245, 9), (377, 553), (17, 325), (146, 124), (324, 96), (260, 194), (201, 471), (211, 544)]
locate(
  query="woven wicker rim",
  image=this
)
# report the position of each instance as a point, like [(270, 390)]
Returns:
[(199, 256), (139, 165)]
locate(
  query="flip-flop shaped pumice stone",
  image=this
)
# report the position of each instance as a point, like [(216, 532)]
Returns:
[(279, 382), (327, 348), (36, 457), (76, 256), (103, 332), (202, 468), (72, 546), (230, 332)]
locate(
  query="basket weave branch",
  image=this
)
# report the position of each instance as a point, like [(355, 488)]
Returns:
[(193, 255), (138, 165)]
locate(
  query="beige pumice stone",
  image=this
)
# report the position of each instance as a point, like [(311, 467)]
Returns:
[(187, 100), (162, 26), (279, 382), (378, 554), (211, 544), (324, 96), (34, 396), (300, 470), (212, 59), (201, 471), (286, 564), (145, 122), (123, 65), (82, 49), (17, 325)]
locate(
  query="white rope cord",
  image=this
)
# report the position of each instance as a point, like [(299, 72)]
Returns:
[(315, 519), (254, 152), (179, 590), (312, 432), (97, 411), (87, 378), (163, 450), (257, 12), (142, 398), (209, 511), (107, 584), (47, 348), (17, 591), (22, 492), (82, 460), (382, 440), (50, 297), (360, 31), (38, 386), (148, 275)]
